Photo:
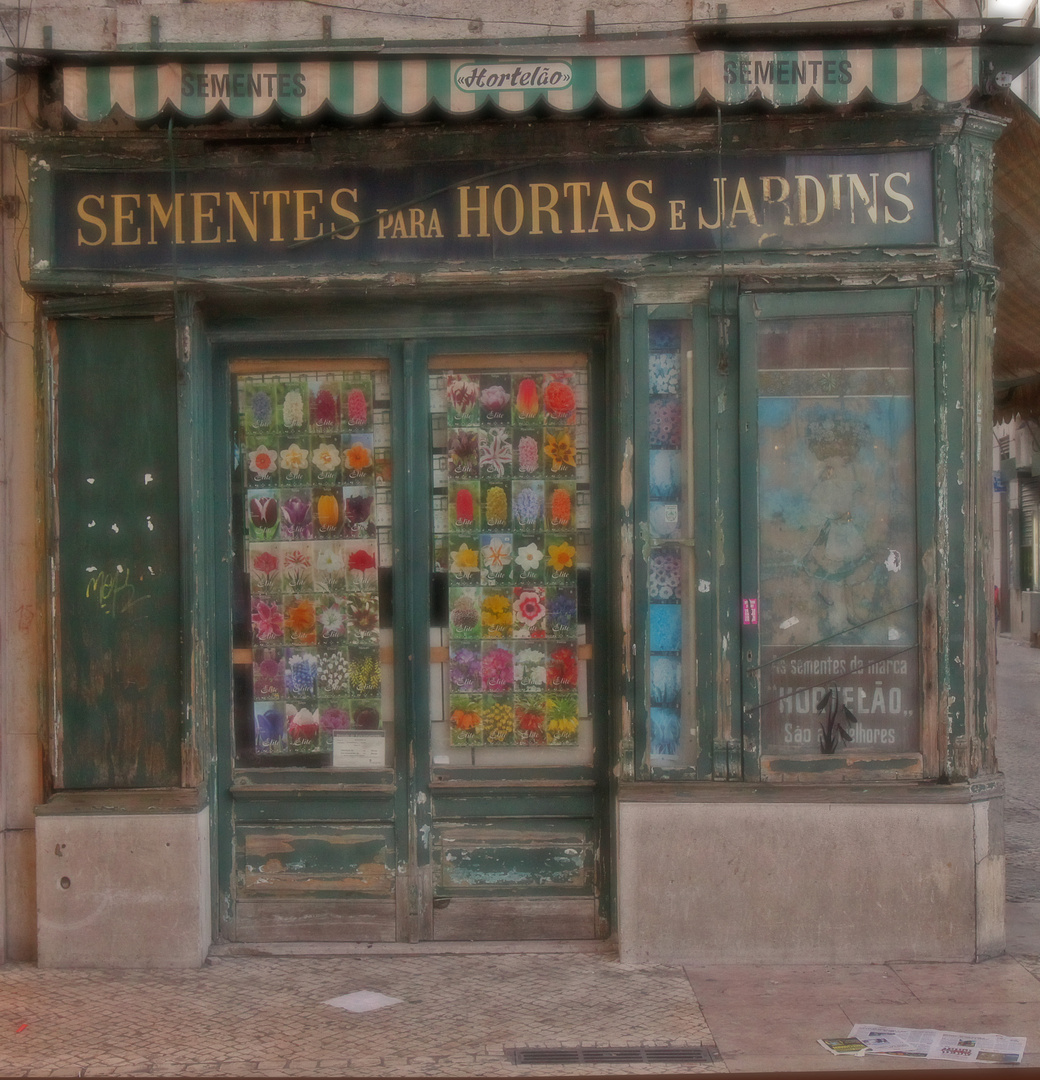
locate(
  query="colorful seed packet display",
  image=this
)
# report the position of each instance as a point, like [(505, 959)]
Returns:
[(515, 472), (314, 463)]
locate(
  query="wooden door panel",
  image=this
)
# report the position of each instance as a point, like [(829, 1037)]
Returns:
[(314, 861), (521, 854), (516, 919), (315, 920)]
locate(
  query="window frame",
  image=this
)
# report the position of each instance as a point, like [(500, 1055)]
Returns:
[(860, 764)]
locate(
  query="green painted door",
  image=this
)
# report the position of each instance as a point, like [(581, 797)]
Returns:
[(418, 744)]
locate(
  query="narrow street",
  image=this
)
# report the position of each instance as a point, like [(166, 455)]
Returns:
[(1018, 754)]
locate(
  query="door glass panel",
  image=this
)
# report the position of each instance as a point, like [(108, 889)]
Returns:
[(311, 499), (837, 534), (511, 548)]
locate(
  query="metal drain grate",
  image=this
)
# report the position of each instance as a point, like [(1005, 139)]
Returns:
[(607, 1055)]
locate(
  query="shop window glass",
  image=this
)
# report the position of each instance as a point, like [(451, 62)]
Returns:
[(511, 517), (672, 731), (837, 541), (313, 554)]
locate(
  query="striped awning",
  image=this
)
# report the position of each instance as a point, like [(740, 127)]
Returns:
[(462, 87)]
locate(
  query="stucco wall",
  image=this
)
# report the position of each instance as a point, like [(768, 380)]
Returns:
[(22, 563), (90, 25), (130, 891), (809, 882)]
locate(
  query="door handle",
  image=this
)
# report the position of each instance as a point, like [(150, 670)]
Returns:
[(650, 541)]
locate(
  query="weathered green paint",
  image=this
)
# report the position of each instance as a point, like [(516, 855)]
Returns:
[(311, 861), (524, 141), (640, 608), (707, 412), (512, 866), (949, 403), (400, 801), (839, 763), (325, 808), (494, 856), (119, 574), (756, 306), (515, 804), (959, 636)]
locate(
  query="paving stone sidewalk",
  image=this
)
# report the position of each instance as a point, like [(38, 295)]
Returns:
[(264, 1017)]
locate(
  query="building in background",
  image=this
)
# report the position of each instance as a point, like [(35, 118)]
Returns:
[(469, 479)]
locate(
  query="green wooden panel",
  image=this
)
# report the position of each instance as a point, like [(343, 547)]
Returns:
[(514, 804), (522, 856), (314, 860), (757, 691), (330, 808), (119, 554)]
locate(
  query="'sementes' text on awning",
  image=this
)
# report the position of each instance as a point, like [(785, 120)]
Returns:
[(355, 88)]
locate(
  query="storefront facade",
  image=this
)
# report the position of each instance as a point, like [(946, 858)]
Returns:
[(480, 524)]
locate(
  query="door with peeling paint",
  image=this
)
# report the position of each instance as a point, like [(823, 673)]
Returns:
[(513, 828), (414, 501)]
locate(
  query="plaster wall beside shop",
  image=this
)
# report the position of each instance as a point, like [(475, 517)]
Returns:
[(809, 882), (89, 25), (23, 610), (123, 890)]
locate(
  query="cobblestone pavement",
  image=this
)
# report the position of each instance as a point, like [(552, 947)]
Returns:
[(1018, 755), (265, 1017)]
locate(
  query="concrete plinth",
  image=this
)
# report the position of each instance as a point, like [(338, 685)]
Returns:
[(722, 882), (123, 890)]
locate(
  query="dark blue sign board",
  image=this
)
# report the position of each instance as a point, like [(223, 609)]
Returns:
[(475, 212)]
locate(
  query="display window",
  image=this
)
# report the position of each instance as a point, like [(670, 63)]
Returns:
[(312, 521), (835, 525), (511, 522)]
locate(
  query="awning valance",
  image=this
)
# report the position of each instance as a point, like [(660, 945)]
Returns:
[(355, 88)]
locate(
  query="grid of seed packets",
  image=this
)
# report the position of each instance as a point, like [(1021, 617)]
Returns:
[(315, 464), (511, 510)]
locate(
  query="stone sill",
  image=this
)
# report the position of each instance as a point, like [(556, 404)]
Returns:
[(124, 801), (980, 789)]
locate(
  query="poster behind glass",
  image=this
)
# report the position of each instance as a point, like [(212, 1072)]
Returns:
[(837, 535)]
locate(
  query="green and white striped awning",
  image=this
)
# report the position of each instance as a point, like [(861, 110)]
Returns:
[(462, 87)]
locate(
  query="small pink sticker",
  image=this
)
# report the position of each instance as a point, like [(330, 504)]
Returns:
[(750, 612)]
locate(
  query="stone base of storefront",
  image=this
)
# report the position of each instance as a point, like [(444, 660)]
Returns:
[(810, 876), (120, 888)]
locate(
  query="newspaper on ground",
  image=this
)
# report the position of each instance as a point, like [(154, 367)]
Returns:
[(939, 1045)]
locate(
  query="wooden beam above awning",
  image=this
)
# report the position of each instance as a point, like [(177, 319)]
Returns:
[(360, 88)]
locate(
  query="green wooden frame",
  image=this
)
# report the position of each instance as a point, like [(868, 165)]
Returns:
[(919, 304), (407, 336)]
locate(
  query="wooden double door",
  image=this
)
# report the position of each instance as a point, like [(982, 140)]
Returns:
[(420, 596)]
